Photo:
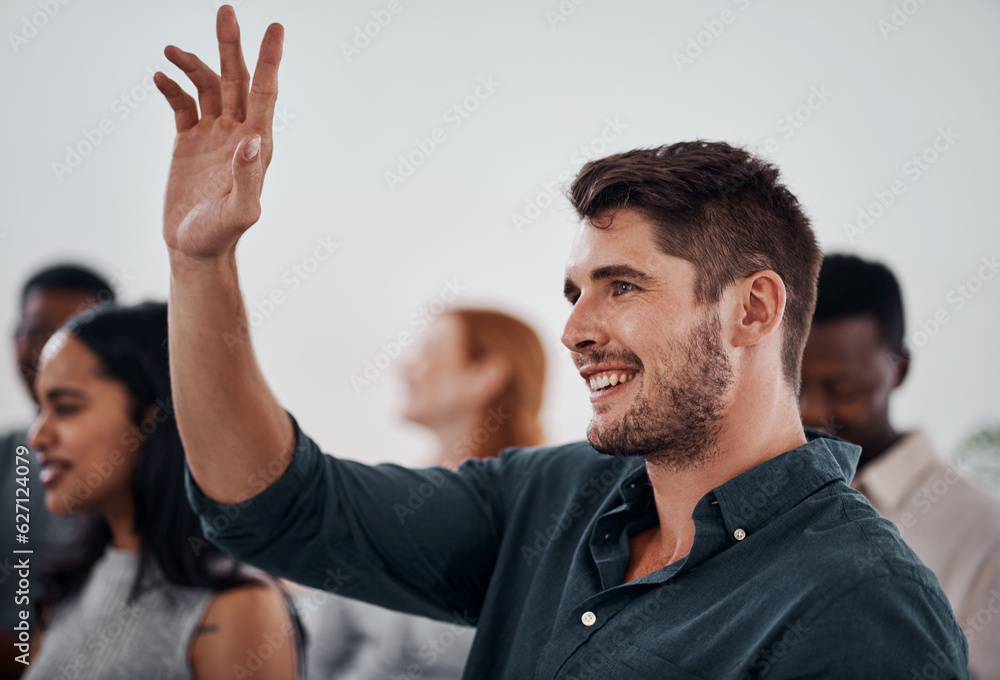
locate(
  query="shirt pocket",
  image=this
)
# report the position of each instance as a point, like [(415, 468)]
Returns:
[(637, 663)]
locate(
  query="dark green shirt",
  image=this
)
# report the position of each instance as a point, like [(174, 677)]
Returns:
[(792, 573)]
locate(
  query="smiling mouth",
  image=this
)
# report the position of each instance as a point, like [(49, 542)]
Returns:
[(52, 471), (606, 379)]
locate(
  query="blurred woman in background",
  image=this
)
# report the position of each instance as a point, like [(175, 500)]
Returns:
[(477, 383), (145, 595)]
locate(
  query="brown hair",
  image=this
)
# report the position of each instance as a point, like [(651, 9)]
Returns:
[(721, 209), (491, 333)]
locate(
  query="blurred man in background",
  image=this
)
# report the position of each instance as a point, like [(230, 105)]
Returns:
[(48, 300), (854, 359)]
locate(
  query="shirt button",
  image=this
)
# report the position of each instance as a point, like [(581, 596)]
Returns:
[(607, 536), (588, 618), (740, 534)]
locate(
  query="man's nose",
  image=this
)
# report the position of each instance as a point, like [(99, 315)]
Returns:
[(585, 326)]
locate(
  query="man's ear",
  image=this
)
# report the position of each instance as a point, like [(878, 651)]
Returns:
[(901, 365), (759, 306)]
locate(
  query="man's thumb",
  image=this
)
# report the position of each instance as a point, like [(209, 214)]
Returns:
[(248, 169), (251, 148)]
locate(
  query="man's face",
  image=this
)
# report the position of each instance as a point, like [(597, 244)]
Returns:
[(635, 318), (847, 375), (45, 310)]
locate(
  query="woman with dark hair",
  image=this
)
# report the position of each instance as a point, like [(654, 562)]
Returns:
[(477, 383), (146, 594)]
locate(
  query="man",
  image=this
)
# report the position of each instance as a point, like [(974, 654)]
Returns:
[(716, 540), (48, 299), (853, 362)]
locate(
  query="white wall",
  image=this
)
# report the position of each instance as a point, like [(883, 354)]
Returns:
[(345, 123)]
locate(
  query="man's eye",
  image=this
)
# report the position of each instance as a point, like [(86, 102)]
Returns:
[(622, 287), (34, 334), (66, 409), (848, 393)]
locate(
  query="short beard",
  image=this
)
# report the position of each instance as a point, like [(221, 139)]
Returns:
[(680, 430)]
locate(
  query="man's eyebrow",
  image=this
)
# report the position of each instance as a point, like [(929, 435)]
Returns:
[(611, 271), (620, 271)]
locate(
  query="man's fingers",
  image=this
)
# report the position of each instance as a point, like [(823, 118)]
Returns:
[(204, 78), (264, 94), (235, 77), (185, 110)]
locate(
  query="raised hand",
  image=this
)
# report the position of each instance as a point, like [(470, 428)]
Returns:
[(219, 160)]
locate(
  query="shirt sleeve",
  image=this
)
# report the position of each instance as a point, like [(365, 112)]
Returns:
[(979, 617), (423, 541), (886, 627)]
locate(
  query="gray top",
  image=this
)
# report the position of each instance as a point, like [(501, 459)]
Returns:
[(350, 639), (96, 634), (45, 531)]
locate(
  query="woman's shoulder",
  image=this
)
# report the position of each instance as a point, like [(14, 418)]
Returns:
[(258, 596), (248, 627)]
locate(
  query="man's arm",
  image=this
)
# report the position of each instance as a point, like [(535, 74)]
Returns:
[(423, 541), (230, 423), (887, 627)]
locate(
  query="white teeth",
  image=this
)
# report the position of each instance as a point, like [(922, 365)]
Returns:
[(598, 382)]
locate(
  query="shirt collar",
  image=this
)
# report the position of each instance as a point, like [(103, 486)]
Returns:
[(750, 500), (636, 483), (888, 480)]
